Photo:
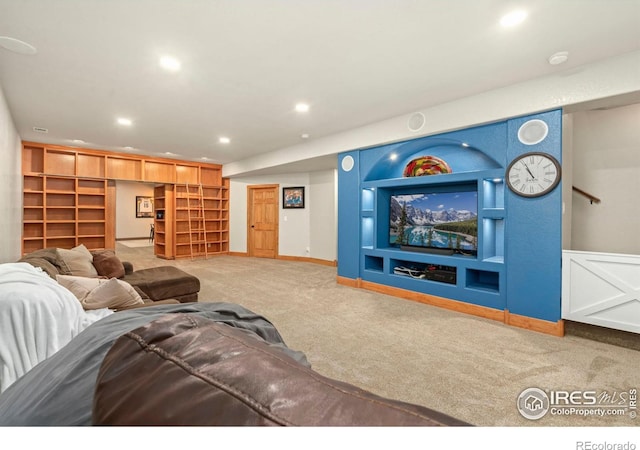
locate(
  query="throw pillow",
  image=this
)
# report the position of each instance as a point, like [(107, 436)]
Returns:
[(78, 262), (46, 259), (84, 250), (108, 264), (79, 286), (96, 293), (111, 294)]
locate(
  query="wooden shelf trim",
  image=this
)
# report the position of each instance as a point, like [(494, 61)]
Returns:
[(93, 164)]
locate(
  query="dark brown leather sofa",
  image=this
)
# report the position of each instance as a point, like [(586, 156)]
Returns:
[(189, 370), (197, 363)]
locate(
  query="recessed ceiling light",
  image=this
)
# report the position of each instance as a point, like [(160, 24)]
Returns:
[(513, 18), (302, 107), (169, 153), (224, 140), (304, 136), (170, 63), (17, 46), (77, 141), (124, 121), (558, 58), (128, 148)]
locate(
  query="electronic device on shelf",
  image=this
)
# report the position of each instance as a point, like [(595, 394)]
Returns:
[(443, 274), (411, 272), (433, 272)]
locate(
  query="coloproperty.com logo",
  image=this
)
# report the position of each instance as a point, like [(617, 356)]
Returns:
[(534, 403)]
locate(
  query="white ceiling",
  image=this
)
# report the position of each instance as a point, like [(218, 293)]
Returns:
[(245, 63)]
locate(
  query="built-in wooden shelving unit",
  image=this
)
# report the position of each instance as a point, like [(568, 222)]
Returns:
[(69, 199), (163, 201), (201, 219)]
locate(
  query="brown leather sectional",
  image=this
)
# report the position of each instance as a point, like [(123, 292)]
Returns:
[(187, 370)]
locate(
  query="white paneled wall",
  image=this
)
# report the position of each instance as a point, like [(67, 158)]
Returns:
[(601, 289)]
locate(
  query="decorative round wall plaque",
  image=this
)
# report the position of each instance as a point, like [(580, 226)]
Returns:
[(426, 165)]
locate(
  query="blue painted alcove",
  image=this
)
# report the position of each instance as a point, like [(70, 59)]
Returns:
[(517, 267), (460, 156)]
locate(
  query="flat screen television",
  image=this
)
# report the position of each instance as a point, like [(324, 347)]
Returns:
[(435, 222)]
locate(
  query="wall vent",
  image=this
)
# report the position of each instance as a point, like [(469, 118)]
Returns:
[(40, 130)]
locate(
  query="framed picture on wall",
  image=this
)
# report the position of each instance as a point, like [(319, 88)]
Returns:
[(293, 197), (144, 207)]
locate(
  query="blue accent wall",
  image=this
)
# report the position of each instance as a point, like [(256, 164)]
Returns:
[(349, 217), (534, 233), (517, 267)]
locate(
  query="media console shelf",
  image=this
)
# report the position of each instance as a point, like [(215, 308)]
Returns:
[(486, 260)]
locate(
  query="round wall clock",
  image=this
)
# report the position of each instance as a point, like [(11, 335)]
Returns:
[(533, 174)]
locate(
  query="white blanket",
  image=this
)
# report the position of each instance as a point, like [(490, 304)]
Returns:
[(38, 317)]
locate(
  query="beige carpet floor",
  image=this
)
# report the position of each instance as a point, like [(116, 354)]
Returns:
[(468, 367), (134, 243)]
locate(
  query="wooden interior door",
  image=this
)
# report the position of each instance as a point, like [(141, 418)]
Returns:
[(262, 220)]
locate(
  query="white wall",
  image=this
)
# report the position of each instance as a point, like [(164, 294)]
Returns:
[(127, 225), (606, 163), (323, 226), (293, 239), (296, 225), (11, 188)]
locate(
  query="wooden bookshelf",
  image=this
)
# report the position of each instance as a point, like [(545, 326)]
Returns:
[(163, 200), (201, 219), (64, 212), (69, 199)]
